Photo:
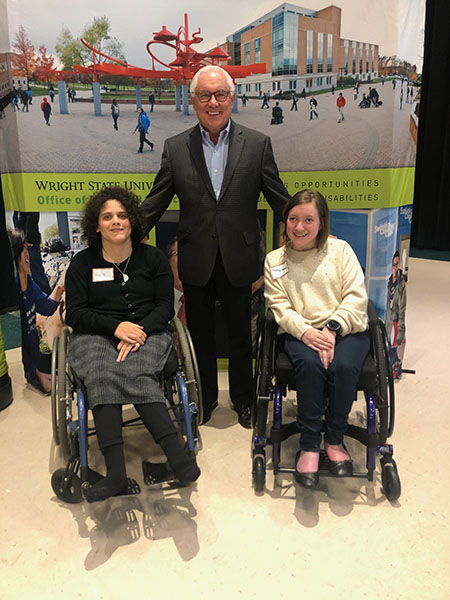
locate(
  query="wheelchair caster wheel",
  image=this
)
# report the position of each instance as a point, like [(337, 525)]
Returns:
[(259, 472), (67, 489), (390, 479)]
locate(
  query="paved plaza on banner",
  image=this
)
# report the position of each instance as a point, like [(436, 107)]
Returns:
[(81, 142)]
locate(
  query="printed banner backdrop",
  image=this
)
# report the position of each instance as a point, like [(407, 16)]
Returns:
[(363, 163)]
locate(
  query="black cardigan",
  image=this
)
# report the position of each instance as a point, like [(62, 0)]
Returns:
[(100, 306)]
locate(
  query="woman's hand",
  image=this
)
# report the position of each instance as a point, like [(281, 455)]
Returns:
[(326, 356), (322, 342), (124, 348), (130, 333)]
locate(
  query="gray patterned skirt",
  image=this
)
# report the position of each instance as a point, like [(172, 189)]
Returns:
[(136, 380)]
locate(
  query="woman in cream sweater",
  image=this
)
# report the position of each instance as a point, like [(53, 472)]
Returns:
[(314, 285)]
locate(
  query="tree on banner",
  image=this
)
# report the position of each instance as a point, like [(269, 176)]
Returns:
[(72, 52), (44, 66), (23, 56)]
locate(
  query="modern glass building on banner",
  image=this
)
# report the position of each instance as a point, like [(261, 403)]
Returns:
[(302, 48)]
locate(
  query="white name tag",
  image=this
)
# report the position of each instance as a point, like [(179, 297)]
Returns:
[(106, 274), (279, 270)]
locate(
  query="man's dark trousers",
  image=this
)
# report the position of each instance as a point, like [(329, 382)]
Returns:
[(200, 313)]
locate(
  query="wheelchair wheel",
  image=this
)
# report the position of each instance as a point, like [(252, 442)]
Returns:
[(54, 399), (257, 373), (67, 489), (264, 369), (259, 471), (385, 381), (390, 479), (64, 401), (188, 365)]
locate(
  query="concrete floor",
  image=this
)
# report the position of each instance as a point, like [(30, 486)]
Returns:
[(217, 539)]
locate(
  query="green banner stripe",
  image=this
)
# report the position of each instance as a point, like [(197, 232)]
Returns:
[(68, 192)]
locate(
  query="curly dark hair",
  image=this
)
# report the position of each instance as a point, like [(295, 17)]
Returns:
[(131, 204), (321, 205)]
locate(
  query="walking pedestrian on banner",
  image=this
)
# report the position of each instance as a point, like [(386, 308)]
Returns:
[(312, 108), (294, 101), (244, 100), (143, 126), (115, 112), (24, 100), (401, 98), (151, 99), (47, 110), (340, 103), (16, 101), (265, 103)]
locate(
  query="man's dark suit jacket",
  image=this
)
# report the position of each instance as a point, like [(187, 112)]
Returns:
[(229, 222)]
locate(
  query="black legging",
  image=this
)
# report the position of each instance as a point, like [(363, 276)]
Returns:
[(108, 422)]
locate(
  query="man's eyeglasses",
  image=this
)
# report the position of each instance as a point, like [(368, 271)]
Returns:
[(220, 96)]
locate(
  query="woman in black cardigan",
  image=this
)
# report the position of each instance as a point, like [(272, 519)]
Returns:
[(119, 302)]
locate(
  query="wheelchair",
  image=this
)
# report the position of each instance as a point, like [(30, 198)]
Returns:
[(274, 376), (182, 390)]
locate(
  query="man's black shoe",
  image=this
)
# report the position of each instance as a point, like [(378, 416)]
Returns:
[(244, 418), (208, 411)]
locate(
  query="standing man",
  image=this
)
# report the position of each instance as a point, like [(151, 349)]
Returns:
[(340, 103), (218, 170)]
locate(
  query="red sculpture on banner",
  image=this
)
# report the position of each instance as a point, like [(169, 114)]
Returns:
[(187, 61)]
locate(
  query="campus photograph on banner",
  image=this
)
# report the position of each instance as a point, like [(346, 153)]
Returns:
[(335, 86)]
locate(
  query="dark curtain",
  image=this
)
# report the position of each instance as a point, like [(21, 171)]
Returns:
[(8, 289), (431, 213)]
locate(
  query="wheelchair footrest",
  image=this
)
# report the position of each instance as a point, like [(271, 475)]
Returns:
[(133, 488), (156, 473)]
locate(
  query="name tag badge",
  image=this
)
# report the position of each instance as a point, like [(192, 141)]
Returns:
[(106, 274), (279, 270)]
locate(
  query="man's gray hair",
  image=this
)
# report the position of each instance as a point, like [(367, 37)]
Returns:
[(215, 68)]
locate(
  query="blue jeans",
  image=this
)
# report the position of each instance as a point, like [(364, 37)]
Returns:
[(314, 381)]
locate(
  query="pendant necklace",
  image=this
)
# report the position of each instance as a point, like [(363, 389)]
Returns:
[(125, 277)]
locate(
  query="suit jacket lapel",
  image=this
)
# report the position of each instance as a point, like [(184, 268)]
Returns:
[(196, 149), (236, 145)]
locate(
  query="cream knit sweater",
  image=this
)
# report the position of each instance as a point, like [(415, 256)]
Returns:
[(307, 288)]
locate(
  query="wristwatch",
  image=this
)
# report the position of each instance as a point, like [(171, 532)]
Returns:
[(333, 325)]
